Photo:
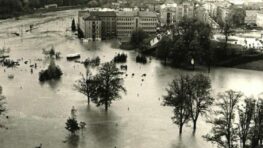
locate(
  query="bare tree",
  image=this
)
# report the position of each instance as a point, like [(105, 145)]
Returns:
[(177, 97), (200, 99), (246, 113), (257, 129), (224, 133), (87, 86)]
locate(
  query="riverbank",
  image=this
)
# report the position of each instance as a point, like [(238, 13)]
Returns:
[(255, 65), (28, 13)]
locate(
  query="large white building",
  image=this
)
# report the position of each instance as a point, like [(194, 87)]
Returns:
[(259, 20), (129, 21), (98, 25)]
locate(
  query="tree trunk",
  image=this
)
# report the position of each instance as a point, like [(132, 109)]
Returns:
[(244, 143), (88, 100), (194, 126), (106, 106), (180, 130)]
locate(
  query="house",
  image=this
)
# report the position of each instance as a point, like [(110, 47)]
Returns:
[(50, 6)]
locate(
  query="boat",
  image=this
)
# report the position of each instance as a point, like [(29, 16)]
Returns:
[(73, 56)]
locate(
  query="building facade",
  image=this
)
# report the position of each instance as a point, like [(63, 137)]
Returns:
[(223, 14), (119, 24), (203, 16), (108, 23), (259, 20), (91, 27), (251, 16), (129, 21), (171, 13), (185, 10)]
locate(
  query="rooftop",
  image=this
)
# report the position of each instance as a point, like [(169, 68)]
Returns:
[(137, 13), (91, 17), (103, 13)]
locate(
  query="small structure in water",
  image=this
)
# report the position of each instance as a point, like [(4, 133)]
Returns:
[(73, 56)]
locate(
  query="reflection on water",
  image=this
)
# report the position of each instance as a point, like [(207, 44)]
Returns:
[(38, 112)]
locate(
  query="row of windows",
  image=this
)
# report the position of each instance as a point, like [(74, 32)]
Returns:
[(129, 32), (124, 27), (149, 19), (124, 32), (125, 19), (152, 24), (132, 19), (125, 23)]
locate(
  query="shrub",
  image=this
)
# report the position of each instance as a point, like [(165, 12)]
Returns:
[(141, 59), (92, 62), (53, 72), (120, 58)]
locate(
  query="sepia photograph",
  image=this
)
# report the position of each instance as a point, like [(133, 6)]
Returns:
[(131, 73)]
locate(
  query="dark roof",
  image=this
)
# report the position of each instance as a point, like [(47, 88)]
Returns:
[(91, 17), (103, 13)]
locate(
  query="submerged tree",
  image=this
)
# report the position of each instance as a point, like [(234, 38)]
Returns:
[(257, 129), (87, 86), (52, 72), (137, 38), (164, 48), (200, 98), (72, 125), (73, 25), (177, 97), (246, 113), (224, 133), (110, 84)]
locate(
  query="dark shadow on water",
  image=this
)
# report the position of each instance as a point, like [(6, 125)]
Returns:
[(53, 84), (103, 126), (184, 141), (72, 141)]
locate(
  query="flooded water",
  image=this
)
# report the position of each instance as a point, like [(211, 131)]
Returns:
[(38, 112)]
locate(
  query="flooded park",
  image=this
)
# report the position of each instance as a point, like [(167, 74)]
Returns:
[(38, 111)]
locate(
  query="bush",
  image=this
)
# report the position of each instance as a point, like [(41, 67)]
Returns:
[(53, 72), (72, 125), (92, 62), (120, 58), (141, 59)]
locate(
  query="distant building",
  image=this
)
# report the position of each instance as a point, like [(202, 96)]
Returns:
[(203, 16), (91, 27), (251, 16), (108, 23), (129, 21), (211, 7), (222, 14), (259, 20), (49, 6), (168, 14), (172, 12), (185, 10)]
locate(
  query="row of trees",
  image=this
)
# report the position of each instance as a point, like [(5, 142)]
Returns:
[(246, 130), (190, 98), (102, 88)]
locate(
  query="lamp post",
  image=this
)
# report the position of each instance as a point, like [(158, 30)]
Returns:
[(193, 63)]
